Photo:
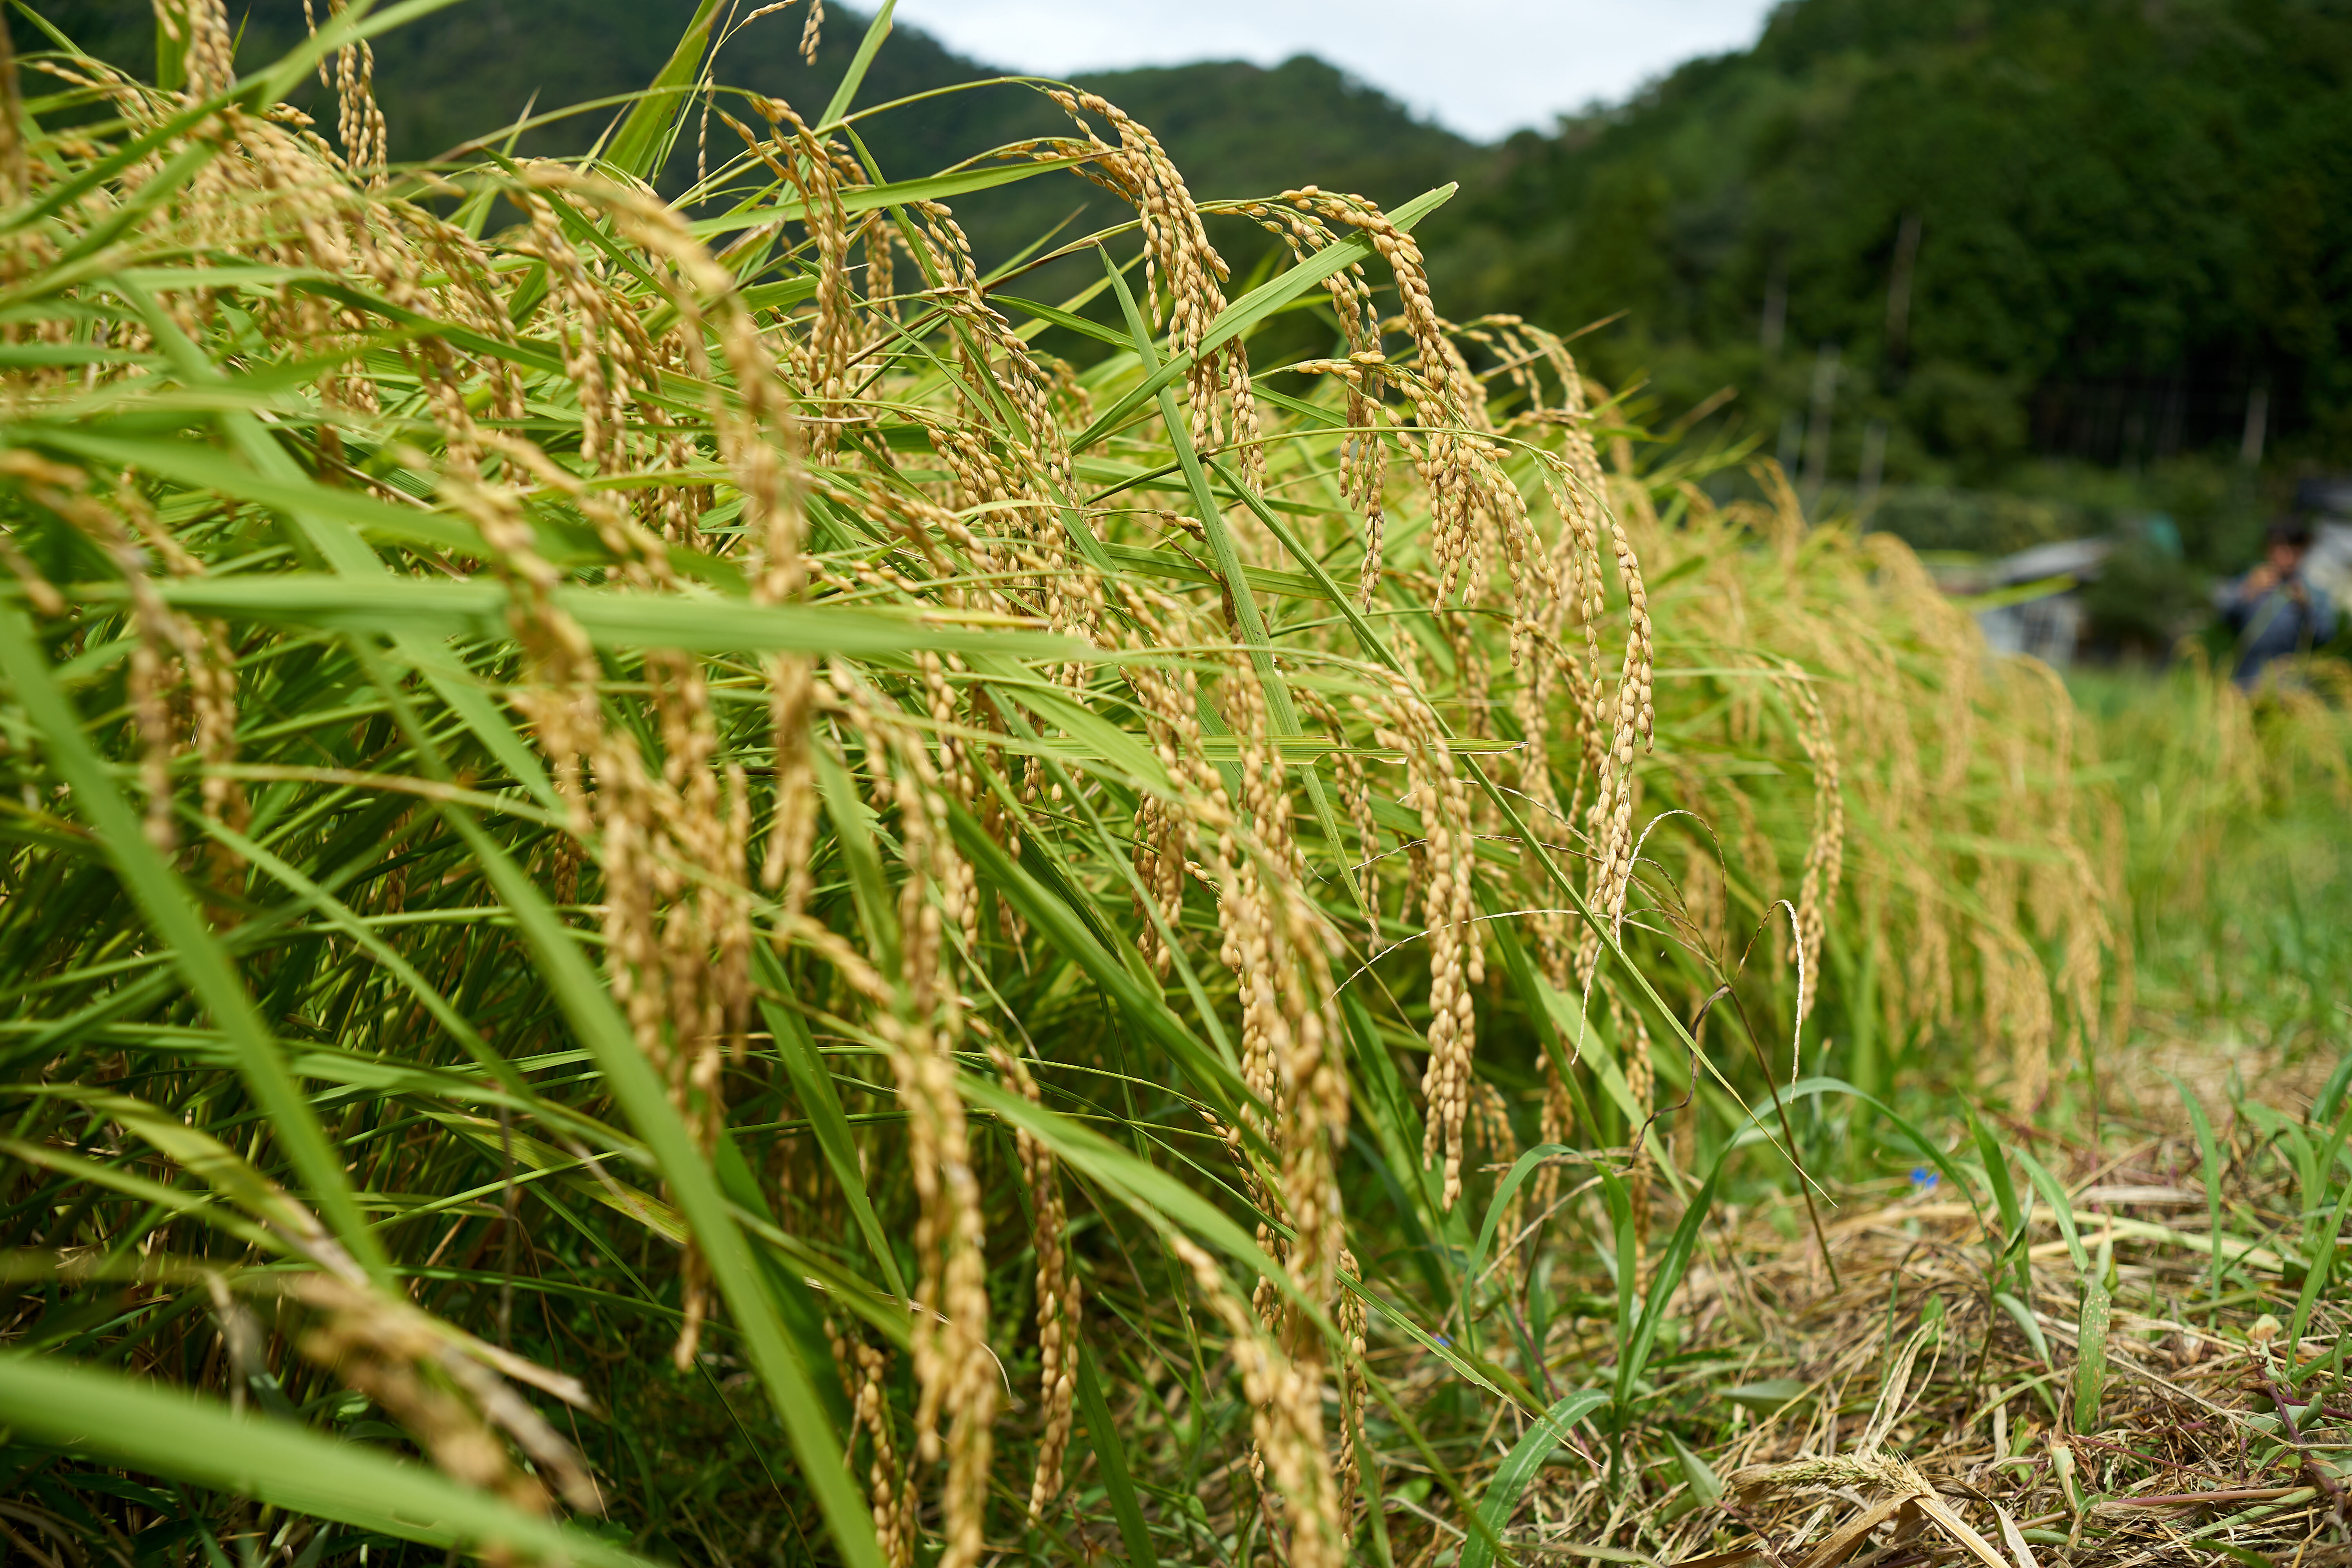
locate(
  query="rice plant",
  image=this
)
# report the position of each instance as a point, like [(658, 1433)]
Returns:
[(666, 897)]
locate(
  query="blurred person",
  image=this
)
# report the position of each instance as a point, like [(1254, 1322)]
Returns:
[(2272, 609)]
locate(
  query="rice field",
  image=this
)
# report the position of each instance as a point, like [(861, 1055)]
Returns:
[(670, 899)]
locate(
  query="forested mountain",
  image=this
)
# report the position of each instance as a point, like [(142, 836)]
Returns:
[(2103, 229), (475, 67), (1940, 243)]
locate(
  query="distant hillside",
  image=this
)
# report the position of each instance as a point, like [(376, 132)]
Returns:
[(2105, 229), (1234, 128), (1933, 243)]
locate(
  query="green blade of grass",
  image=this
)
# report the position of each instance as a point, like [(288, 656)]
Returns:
[(1135, 1182), (171, 53), (2091, 1343), (1672, 1261), (2027, 1323), (2060, 1207), (1068, 321), (1475, 1370), (1625, 1275), (1521, 1169), (1519, 1467), (194, 465), (2210, 1157), (2004, 1194), (2331, 1156), (2331, 1094), (1902, 1124), (853, 836), (1706, 1486), (2004, 1190), (102, 1414), (1380, 1098), (2319, 1268), (1110, 1463)]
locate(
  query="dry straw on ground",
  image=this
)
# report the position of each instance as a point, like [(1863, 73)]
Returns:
[(1909, 1413)]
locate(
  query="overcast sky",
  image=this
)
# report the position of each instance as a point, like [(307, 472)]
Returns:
[(1485, 67)]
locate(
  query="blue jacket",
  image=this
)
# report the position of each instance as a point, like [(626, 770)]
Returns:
[(2292, 617)]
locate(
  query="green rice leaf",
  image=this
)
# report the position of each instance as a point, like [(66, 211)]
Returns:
[(163, 900), (844, 95), (612, 617), (103, 1415), (858, 199), (812, 1085), (643, 143), (631, 1079)]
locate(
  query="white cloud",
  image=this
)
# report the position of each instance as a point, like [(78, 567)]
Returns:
[(1485, 67)]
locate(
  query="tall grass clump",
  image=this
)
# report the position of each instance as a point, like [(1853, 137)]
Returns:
[(665, 896), (2233, 804)]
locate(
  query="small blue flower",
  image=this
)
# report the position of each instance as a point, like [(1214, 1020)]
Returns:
[(1925, 1179)]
